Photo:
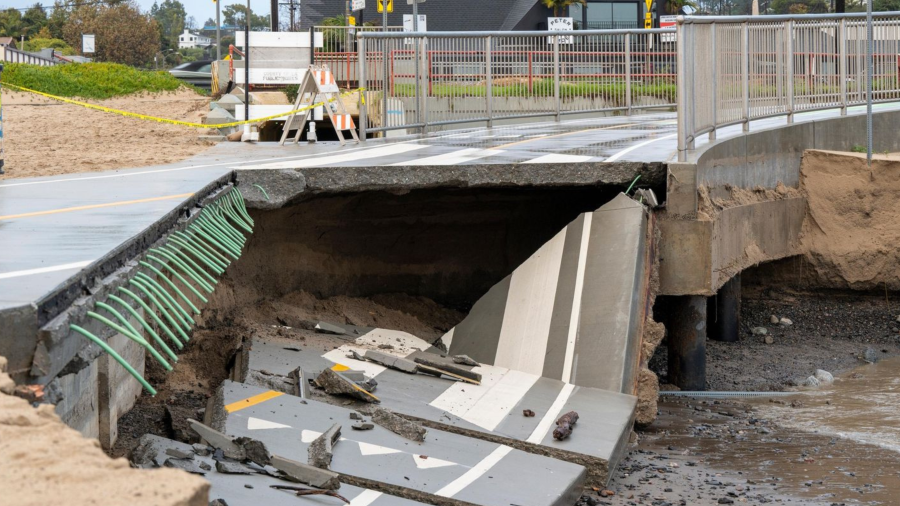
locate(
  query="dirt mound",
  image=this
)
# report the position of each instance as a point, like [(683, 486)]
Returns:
[(45, 462), (852, 229), (44, 137)]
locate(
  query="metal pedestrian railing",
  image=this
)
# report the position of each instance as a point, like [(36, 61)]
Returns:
[(732, 70), (9, 54), (419, 80), (339, 50)]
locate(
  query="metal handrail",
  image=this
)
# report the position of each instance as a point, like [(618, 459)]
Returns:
[(528, 33)]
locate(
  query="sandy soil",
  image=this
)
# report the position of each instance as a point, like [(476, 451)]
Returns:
[(851, 233), (43, 137), (45, 462)]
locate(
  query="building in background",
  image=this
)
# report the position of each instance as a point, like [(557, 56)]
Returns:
[(8, 42), (190, 40)]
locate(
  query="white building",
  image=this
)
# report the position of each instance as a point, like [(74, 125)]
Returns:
[(189, 40)]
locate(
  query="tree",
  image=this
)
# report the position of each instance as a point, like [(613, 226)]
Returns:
[(11, 24), (34, 19), (557, 5), (170, 16), (236, 15), (58, 17), (123, 34), (675, 6), (799, 6)]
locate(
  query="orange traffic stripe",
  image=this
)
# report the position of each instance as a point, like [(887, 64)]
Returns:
[(252, 401)]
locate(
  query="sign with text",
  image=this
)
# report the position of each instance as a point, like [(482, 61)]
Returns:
[(561, 25), (357, 5), (87, 43), (668, 22), (409, 26)]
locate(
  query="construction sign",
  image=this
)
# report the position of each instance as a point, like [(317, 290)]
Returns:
[(319, 81), (390, 5), (648, 18)]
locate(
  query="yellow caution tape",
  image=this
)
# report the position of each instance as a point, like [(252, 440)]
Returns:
[(175, 121)]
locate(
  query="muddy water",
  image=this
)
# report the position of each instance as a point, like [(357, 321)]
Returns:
[(839, 444)]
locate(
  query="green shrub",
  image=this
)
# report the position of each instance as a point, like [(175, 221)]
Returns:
[(59, 45), (859, 149), (291, 91), (89, 80)]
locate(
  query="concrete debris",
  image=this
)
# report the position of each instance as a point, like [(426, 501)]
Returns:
[(300, 492), (400, 426), (328, 328), (528, 413), (785, 322), (647, 197), (201, 449), (298, 377), (218, 502), (385, 347), (368, 384), (824, 377), (355, 416), (335, 383), (447, 365), (355, 356), (306, 474), (811, 381), (321, 450), (465, 360), (773, 320), (870, 355), (229, 467), (392, 361), (363, 426), (190, 466), (179, 454), (177, 420), (272, 382), (759, 331), (254, 450), (564, 425), (205, 466), (219, 441)]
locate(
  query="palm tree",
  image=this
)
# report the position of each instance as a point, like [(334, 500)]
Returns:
[(556, 5)]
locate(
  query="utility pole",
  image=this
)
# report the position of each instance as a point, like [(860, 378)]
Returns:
[(247, 67), (869, 51), (218, 32)]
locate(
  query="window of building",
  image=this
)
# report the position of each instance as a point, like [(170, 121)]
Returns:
[(608, 15)]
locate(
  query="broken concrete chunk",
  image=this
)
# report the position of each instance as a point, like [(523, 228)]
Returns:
[(465, 360), (321, 450), (400, 426), (355, 356), (564, 425), (363, 426), (335, 383), (355, 416), (205, 466), (445, 364), (177, 419), (306, 474), (299, 378), (328, 328), (201, 449), (190, 466), (255, 450), (392, 361), (218, 502), (368, 384), (179, 454), (219, 441), (228, 467)]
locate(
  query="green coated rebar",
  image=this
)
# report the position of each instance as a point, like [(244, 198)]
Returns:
[(183, 316), (194, 250), (152, 313), (229, 211), (213, 252), (238, 200), (214, 229), (212, 240), (187, 269), (632, 184), (173, 286), (175, 273), (118, 358), (127, 333), (172, 250), (263, 191), (225, 229), (235, 232), (164, 310), (162, 344)]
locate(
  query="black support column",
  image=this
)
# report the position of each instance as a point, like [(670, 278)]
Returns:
[(724, 312), (686, 323)]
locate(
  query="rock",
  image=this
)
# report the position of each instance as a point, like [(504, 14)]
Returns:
[(565, 425), (824, 377), (363, 426), (785, 322), (179, 454), (228, 467), (726, 500), (528, 413), (201, 449), (205, 466), (190, 466), (254, 450), (870, 355), (235, 136), (773, 320), (355, 416), (400, 426), (465, 360), (336, 384), (219, 441), (768, 339), (218, 502), (306, 474), (811, 381), (759, 331)]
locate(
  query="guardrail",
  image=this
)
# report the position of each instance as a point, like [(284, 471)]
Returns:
[(339, 50), (732, 70), (417, 80), (9, 54)]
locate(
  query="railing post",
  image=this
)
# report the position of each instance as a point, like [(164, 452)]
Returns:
[(418, 44), (489, 81), (714, 84), (362, 85), (680, 83), (556, 75), (842, 61), (384, 82), (423, 101), (745, 73), (789, 28), (628, 73)]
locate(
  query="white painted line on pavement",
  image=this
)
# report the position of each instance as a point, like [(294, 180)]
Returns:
[(42, 270), (576, 298), (453, 158), (560, 158), (366, 498), (456, 486), (639, 145), (550, 417), (388, 150)]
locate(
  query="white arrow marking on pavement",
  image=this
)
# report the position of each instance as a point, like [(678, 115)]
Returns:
[(259, 424), (366, 498), (369, 449), (308, 436), (431, 462)]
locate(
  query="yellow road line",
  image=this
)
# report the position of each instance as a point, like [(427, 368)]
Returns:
[(511, 144), (252, 401), (93, 206)]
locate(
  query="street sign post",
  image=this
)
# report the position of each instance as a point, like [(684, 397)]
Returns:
[(560, 25)]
